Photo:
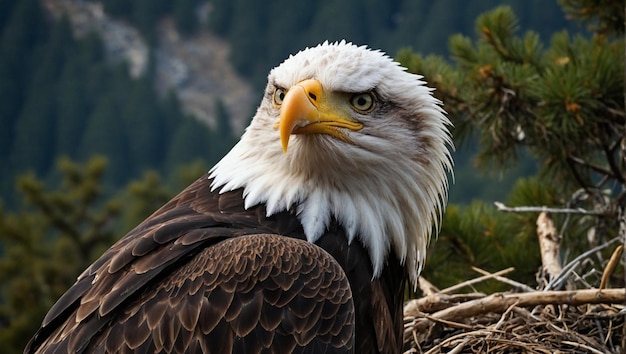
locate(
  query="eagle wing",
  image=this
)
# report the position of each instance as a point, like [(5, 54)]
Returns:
[(205, 275)]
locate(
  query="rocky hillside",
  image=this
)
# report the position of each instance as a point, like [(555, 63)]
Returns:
[(196, 69)]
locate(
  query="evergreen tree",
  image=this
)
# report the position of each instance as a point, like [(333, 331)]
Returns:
[(104, 136), (221, 17), (60, 231), (563, 104), (118, 7), (59, 96), (185, 16), (34, 138), (191, 140), (146, 195), (143, 126), (252, 19), (73, 104), (55, 236), (604, 17), (222, 117), (22, 31)]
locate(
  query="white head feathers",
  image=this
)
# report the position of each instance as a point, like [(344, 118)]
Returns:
[(387, 187)]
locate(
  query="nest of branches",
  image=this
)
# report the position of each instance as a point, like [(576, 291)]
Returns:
[(524, 320), (581, 321)]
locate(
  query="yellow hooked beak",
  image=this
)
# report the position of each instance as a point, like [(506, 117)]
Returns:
[(308, 109)]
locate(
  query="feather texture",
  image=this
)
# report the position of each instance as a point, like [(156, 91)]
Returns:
[(232, 285), (306, 251)]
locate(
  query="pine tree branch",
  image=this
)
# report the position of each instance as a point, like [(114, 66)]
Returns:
[(616, 173), (534, 209), (593, 167), (577, 177)]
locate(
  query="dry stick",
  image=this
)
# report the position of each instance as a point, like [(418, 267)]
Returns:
[(438, 302), (534, 209), (549, 245), (582, 346), (555, 283), (459, 347), (475, 280), (511, 282), (503, 317), (426, 287), (440, 320), (464, 336), (610, 266), (499, 302)]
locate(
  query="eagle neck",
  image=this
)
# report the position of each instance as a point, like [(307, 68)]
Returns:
[(383, 216)]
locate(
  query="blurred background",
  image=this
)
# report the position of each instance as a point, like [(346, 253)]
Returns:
[(109, 107), (156, 84)]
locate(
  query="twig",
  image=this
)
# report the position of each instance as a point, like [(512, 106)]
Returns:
[(598, 169), (464, 336), (438, 302), (475, 280), (556, 282), (582, 346), (504, 315), (616, 173), (499, 302), (534, 209), (505, 280), (446, 322), (610, 266)]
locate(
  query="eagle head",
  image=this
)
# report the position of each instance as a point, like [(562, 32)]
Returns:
[(345, 133)]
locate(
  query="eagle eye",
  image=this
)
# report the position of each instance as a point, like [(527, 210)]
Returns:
[(279, 96), (363, 103)]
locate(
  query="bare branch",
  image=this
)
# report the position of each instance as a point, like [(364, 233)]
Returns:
[(500, 302), (501, 279), (610, 266), (613, 165), (591, 166), (475, 280), (534, 209), (556, 282)]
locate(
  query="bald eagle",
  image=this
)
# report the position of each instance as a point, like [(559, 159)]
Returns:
[(301, 239)]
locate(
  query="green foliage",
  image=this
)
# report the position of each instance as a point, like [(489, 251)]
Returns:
[(185, 16), (46, 245), (145, 195), (66, 100), (145, 14), (476, 235), (262, 31), (564, 105), (22, 30), (604, 16), (58, 96), (515, 96), (60, 231)]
